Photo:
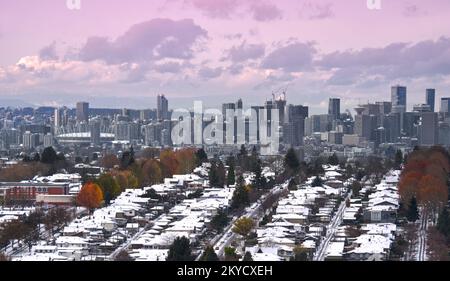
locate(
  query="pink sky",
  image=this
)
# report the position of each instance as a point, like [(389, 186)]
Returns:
[(225, 48)]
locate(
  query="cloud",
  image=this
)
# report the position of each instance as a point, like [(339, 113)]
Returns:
[(48, 52), (168, 67), (293, 57), (148, 41), (216, 8), (412, 10), (265, 12), (314, 11), (210, 73), (397, 60), (246, 52)]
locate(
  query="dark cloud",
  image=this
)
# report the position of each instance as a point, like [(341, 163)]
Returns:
[(152, 40), (245, 52), (398, 60), (48, 52), (209, 73), (293, 57)]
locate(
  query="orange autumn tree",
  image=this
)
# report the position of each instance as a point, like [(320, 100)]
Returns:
[(90, 196), (425, 177), (169, 163), (187, 160)]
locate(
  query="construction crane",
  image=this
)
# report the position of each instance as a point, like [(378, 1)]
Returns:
[(283, 91)]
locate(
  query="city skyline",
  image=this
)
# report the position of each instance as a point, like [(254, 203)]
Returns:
[(221, 50)]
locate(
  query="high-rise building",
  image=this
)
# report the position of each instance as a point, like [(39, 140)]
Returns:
[(162, 110), (48, 140), (30, 140), (83, 112), (430, 98), (398, 98), (334, 108), (94, 128), (445, 105), (428, 129), (294, 127)]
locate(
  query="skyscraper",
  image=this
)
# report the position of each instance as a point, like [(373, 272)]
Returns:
[(83, 112), (334, 108), (94, 128), (428, 129), (430, 98), (445, 105), (162, 108), (398, 98)]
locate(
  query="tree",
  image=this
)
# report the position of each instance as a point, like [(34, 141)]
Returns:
[(186, 158), (317, 182), (109, 186), (231, 177), (213, 175), (356, 188), (243, 226), (443, 224), (49, 156), (90, 196), (413, 213), (169, 163), (123, 256), (151, 193), (109, 161), (300, 254), (292, 184), (201, 156), (4, 257), (230, 254), (221, 174), (333, 159), (127, 158), (259, 181), (398, 159), (152, 172), (219, 221), (180, 250), (209, 254), (240, 195), (247, 256), (291, 160)]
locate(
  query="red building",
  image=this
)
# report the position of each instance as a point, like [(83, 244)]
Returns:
[(27, 191)]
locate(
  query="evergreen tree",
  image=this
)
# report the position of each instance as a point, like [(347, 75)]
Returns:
[(259, 181), (221, 174), (219, 221), (333, 160), (240, 196), (413, 213), (247, 257), (213, 175), (231, 177), (292, 184), (37, 157), (398, 159), (209, 255), (291, 160), (180, 250), (317, 181), (201, 156), (49, 156), (127, 158), (443, 224)]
